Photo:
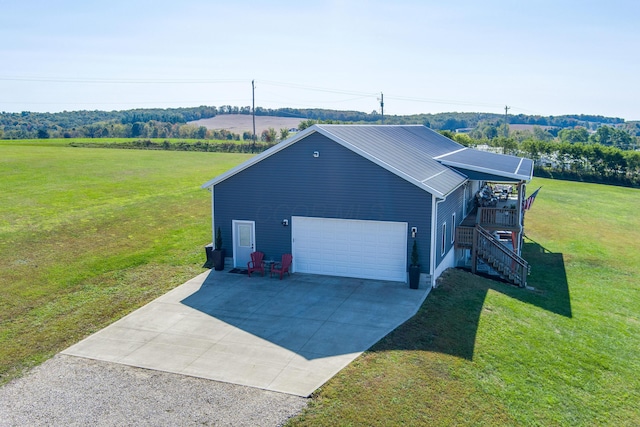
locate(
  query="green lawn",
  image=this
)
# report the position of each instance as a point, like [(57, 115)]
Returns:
[(87, 235), (483, 353)]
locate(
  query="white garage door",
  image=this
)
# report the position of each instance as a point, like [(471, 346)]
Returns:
[(350, 248)]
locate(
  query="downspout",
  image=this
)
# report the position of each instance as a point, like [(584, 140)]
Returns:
[(434, 235)]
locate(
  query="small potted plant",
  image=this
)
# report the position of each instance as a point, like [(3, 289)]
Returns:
[(414, 268), (218, 253)]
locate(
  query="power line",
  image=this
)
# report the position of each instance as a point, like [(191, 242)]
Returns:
[(319, 89), (117, 81), (355, 94)]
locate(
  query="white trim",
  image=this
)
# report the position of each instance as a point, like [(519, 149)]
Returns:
[(519, 164), (213, 218), (434, 175), (464, 200), (293, 244), (434, 240), (452, 152), (234, 237), (453, 228)]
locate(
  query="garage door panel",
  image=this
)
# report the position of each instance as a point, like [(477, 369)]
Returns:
[(351, 248)]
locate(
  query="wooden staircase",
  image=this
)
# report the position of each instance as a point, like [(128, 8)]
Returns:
[(484, 246)]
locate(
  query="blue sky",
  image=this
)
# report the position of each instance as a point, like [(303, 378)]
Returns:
[(538, 57)]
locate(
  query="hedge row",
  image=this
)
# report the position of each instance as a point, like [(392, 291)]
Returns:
[(219, 147)]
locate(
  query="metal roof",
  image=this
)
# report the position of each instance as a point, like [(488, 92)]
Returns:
[(407, 151), (513, 167), (413, 152)]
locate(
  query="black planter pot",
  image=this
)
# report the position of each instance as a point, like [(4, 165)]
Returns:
[(209, 252), (414, 276), (217, 255)]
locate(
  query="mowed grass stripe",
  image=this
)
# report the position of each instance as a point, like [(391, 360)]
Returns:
[(87, 235)]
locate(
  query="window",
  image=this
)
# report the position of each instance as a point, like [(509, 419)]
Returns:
[(444, 238), (244, 238), (453, 228)]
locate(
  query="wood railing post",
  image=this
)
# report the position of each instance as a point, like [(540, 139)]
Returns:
[(474, 251)]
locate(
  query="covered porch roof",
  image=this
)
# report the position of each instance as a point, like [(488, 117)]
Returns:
[(482, 165)]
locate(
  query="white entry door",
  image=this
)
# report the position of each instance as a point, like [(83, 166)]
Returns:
[(350, 248), (244, 242)]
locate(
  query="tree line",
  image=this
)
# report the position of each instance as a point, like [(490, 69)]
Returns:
[(590, 148), (77, 123), (28, 125)]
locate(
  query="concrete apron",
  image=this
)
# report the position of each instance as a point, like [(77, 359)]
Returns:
[(289, 335)]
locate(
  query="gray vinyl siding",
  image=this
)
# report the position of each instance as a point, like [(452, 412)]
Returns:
[(337, 184), (453, 203)]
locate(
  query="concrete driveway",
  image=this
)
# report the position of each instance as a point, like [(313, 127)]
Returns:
[(289, 335)]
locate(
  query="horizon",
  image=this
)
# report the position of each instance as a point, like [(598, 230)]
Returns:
[(424, 57), (311, 108)]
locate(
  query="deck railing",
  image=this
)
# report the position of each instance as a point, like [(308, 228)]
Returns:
[(464, 237), (498, 217)]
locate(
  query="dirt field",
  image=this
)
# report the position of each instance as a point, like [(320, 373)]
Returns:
[(529, 127), (239, 123)]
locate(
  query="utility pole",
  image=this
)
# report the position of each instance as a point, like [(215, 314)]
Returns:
[(382, 106), (253, 109), (506, 121)]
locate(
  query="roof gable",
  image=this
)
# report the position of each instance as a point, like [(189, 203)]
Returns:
[(415, 153), (403, 150)]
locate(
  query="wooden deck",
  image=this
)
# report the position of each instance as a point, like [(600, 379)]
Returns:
[(477, 233)]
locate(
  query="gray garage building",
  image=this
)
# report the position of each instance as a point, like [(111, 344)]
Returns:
[(350, 200)]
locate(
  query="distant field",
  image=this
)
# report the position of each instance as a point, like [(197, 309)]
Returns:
[(529, 127), (239, 123)]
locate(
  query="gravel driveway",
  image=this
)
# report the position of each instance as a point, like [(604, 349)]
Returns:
[(72, 391)]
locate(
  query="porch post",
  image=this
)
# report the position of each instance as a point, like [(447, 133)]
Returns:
[(521, 194)]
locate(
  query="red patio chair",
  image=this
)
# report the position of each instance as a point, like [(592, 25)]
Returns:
[(282, 266), (256, 263)]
